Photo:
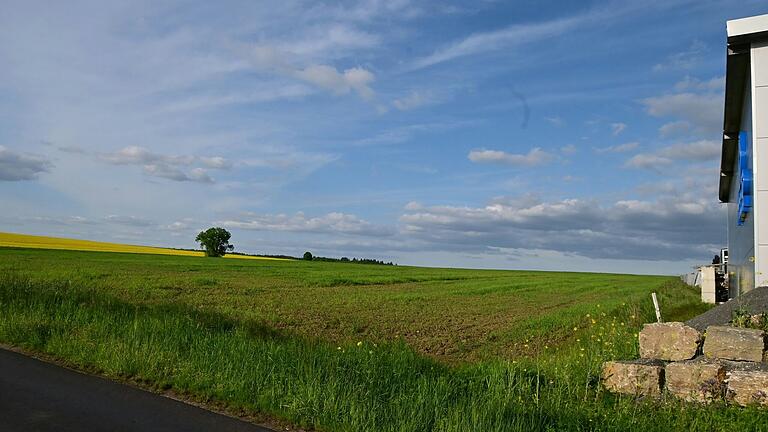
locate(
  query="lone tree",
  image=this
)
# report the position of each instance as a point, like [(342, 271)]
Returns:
[(308, 256), (215, 241)]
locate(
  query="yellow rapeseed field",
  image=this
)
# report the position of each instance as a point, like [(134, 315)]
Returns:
[(42, 242)]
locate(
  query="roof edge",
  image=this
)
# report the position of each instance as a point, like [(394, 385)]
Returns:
[(737, 65)]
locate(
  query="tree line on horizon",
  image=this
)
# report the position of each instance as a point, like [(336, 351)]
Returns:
[(215, 243)]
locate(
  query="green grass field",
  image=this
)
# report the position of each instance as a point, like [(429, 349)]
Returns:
[(348, 347)]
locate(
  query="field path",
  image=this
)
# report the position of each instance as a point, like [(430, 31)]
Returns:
[(39, 396)]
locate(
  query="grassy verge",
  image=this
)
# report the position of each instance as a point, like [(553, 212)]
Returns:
[(355, 386)]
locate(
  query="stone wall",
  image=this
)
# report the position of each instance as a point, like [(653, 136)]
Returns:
[(676, 359)]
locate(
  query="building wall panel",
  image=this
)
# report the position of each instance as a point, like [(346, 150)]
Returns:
[(741, 238), (759, 57), (759, 80)]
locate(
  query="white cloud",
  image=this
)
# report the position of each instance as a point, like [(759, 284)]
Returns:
[(619, 148), (128, 220), (627, 229), (172, 173), (269, 92), (617, 128), (674, 128), (272, 58), (413, 100), (134, 155), (524, 33), (327, 77), (326, 41), (167, 166), (697, 151), (336, 223), (16, 166), (215, 162), (686, 59), (647, 161), (535, 157), (405, 133), (703, 111), (513, 35), (569, 149), (704, 150), (690, 83), (555, 121)]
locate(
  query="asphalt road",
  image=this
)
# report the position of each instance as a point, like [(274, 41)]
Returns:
[(39, 396)]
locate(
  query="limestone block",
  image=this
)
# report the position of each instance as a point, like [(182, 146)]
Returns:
[(695, 380), (669, 341), (747, 387), (639, 378), (732, 343)]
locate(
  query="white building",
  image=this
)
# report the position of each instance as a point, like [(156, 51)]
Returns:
[(744, 162)]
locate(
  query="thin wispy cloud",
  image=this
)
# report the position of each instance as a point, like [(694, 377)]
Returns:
[(619, 148), (618, 128), (536, 156)]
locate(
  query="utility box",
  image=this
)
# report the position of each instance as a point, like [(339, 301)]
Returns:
[(708, 284)]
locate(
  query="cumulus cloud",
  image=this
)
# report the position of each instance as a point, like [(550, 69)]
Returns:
[(327, 77), (701, 111), (704, 150), (167, 166), (647, 161), (674, 128), (698, 151), (535, 157), (274, 59), (333, 223), (628, 229), (16, 166), (215, 162)]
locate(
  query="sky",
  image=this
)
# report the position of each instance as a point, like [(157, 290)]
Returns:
[(550, 135)]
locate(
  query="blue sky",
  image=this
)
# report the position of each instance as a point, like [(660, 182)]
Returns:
[(538, 135)]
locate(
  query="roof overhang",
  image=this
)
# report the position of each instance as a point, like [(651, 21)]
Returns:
[(737, 65)]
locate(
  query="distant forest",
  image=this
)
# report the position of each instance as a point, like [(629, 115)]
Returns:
[(353, 260), (319, 258)]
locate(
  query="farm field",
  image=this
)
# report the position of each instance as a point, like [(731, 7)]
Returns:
[(44, 242), (352, 347)]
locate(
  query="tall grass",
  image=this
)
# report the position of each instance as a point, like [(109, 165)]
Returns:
[(355, 387)]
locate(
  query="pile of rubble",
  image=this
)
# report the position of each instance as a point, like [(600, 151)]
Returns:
[(723, 363)]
